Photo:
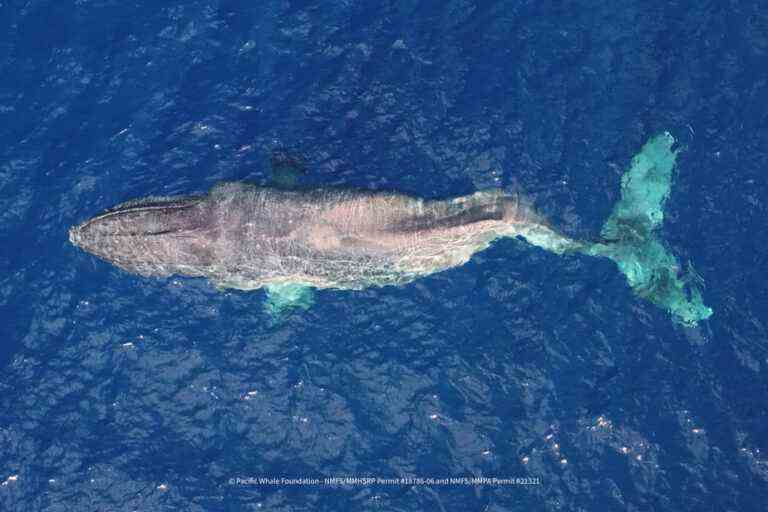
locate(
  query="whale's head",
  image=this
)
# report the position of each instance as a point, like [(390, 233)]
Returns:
[(155, 236)]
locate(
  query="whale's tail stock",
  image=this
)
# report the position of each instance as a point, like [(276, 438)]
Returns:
[(631, 238)]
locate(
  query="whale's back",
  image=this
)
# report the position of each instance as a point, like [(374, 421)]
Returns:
[(245, 236)]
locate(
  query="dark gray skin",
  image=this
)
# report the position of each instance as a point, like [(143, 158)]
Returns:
[(246, 237)]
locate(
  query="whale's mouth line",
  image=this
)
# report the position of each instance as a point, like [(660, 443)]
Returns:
[(158, 203), (151, 233), (168, 204), (171, 205)]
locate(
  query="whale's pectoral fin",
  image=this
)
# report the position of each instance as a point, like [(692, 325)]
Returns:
[(283, 297), (286, 168)]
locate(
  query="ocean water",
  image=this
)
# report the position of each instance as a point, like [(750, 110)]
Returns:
[(124, 393)]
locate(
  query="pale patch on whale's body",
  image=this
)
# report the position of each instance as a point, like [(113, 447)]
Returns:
[(248, 237)]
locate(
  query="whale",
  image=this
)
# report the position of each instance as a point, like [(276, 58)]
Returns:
[(246, 236)]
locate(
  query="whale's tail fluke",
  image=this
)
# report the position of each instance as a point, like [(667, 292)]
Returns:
[(631, 236)]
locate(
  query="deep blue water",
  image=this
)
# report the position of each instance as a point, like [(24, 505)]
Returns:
[(124, 393)]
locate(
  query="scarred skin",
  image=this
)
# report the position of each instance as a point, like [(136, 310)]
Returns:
[(246, 237)]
